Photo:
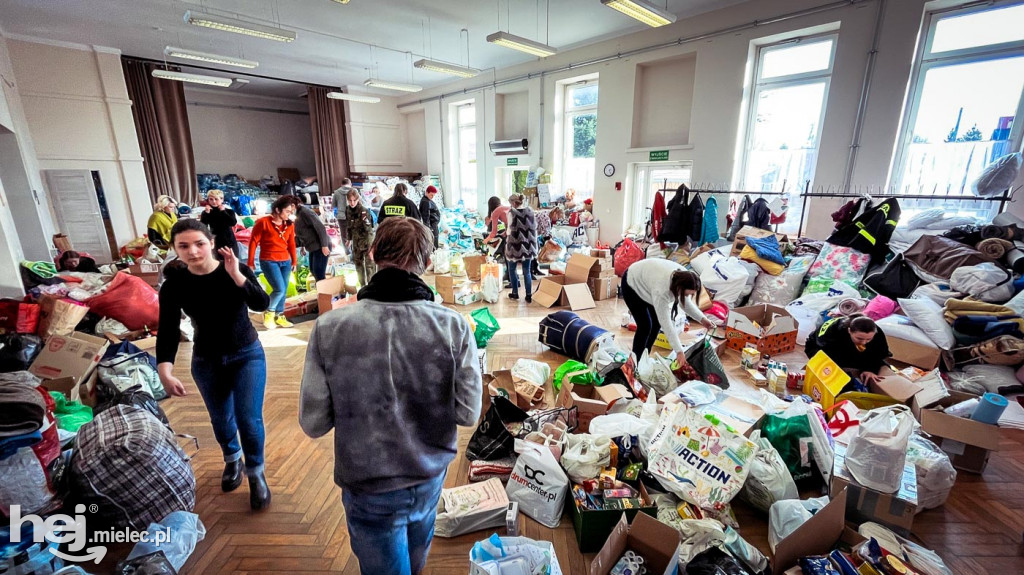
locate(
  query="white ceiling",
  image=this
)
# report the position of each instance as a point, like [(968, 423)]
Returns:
[(333, 41)]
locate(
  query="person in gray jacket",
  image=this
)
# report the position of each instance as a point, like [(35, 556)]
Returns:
[(392, 374), (311, 235)]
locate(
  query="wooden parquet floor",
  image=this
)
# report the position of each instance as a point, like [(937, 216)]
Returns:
[(978, 531)]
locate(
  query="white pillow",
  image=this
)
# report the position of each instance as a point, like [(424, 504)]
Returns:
[(926, 218), (927, 315), (900, 327), (997, 176), (994, 378)]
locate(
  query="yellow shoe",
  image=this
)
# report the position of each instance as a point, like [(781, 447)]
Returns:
[(283, 322), (268, 320)]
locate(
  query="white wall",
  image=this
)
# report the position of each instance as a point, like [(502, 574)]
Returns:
[(78, 112), (416, 142), (719, 98), (377, 138), (252, 136), (663, 102)]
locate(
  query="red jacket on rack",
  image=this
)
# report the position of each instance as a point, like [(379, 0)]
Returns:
[(658, 213)]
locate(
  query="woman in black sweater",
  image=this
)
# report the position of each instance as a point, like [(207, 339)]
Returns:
[(228, 363), (855, 343), (221, 220)]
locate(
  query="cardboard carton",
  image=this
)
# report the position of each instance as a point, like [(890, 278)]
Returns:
[(824, 379), (577, 269), (770, 328), (603, 288), (58, 316), (326, 291), (815, 537), (751, 232), (473, 263), (65, 385), (457, 290), (895, 386), (912, 353), (150, 273), (592, 526), (590, 400), (556, 290), (656, 542), (895, 510), (602, 253), (967, 442), (74, 355)]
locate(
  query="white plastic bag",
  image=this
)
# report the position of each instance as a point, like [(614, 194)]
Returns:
[(655, 372), (586, 455), (698, 536), (788, 515), (725, 280), (538, 484), (807, 309), (186, 531), (441, 260), (500, 555), (471, 507), (490, 289), (877, 454), (935, 473), (531, 370), (769, 480)]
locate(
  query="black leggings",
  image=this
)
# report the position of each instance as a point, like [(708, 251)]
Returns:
[(647, 324)]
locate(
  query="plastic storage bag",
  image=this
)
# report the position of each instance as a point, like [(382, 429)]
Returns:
[(469, 508), (538, 484), (186, 530), (531, 370), (500, 555), (586, 455), (790, 433), (877, 454), (486, 326), (70, 414), (769, 480), (441, 261), (583, 375), (129, 300), (655, 372), (788, 515), (490, 288), (726, 279), (935, 474)]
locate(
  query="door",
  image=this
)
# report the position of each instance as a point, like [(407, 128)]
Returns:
[(78, 211)]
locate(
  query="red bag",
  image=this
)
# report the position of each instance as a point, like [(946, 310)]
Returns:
[(18, 317), (129, 300), (626, 255)]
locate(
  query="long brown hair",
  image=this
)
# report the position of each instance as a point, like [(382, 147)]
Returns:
[(682, 282)]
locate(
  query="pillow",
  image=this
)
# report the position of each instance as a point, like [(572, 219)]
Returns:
[(994, 378), (750, 254), (901, 327), (881, 307), (840, 263), (927, 315), (783, 288), (997, 176), (767, 248), (926, 218)]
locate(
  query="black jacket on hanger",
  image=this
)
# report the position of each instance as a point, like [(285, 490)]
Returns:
[(871, 231), (677, 225), (759, 215)]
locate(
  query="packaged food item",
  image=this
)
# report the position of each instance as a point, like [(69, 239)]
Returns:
[(817, 565)]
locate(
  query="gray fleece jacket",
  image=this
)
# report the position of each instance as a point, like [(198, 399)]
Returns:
[(393, 380)]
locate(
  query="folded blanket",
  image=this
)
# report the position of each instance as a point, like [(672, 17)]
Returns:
[(852, 305), (481, 470), (22, 409), (994, 248), (988, 327), (955, 308)]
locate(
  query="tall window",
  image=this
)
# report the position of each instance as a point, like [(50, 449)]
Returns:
[(579, 138), (791, 81), (967, 92), (652, 178), (465, 120)]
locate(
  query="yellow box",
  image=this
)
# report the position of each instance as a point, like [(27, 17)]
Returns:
[(824, 379), (777, 382), (749, 358)]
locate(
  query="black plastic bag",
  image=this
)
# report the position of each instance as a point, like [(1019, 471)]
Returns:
[(714, 561), (896, 280), (492, 439), (108, 396), (703, 358), (18, 351), (155, 563)]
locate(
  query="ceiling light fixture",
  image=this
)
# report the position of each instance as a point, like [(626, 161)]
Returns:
[(192, 78), (522, 44), (172, 52), (353, 97), (643, 11), (392, 85), (239, 27), (340, 2), (446, 68)]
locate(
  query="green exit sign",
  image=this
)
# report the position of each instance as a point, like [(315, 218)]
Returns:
[(658, 156), (512, 162)]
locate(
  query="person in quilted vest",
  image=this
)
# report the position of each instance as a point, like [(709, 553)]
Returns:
[(520, 245)]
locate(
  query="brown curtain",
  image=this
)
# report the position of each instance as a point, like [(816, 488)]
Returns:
[(161, 122), (330, 146)]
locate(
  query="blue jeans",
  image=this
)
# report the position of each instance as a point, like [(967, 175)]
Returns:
[(318, 264), (513, 277), (277, 274), (390, 532), (232, 387)]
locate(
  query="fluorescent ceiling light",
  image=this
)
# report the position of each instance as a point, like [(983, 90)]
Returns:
[(192, 78), (239, 27), (522, 44), (352, 97), (643, 11), (341, 1), (173, 52), (446, 68), (392, 86)]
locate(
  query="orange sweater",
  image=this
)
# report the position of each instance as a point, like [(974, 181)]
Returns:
[(275, 244)]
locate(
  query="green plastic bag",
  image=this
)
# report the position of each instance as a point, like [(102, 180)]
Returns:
[(588, 378), (486, 326), (787, 434), (293, 288), (70, 414)]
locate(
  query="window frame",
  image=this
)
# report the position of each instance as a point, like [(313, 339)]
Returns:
[(459, 127), (569, 114), (641, 177), (760, 84), (925, 61)]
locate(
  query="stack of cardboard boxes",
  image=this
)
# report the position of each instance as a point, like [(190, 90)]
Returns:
[(587, 279)]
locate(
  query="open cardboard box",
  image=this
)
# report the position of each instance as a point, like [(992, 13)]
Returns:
[(770, 328), (908, 352), (967, 442), (326, 291), (815, 537), (894, 510), (656, 542), (592, 526), (557, 290), (74, 355), (590, 401)]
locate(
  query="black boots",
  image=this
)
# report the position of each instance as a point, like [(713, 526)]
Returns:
[(259, 492), (232, 477)]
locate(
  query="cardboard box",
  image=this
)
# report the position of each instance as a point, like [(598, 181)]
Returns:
[(656, 542), (590, 401), (473, 263), (824, 380), (912, 353), (743, 416), (74, 355), (815, 537), (603, 288), (577, 269), (895, 386), (150, 273), (58, 316), (596, 253), (751, 232), (65, 385), (326, 291), (556, 290), (774, 332), (895, 510), (967, 442), (457, 291), (593, 526)]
